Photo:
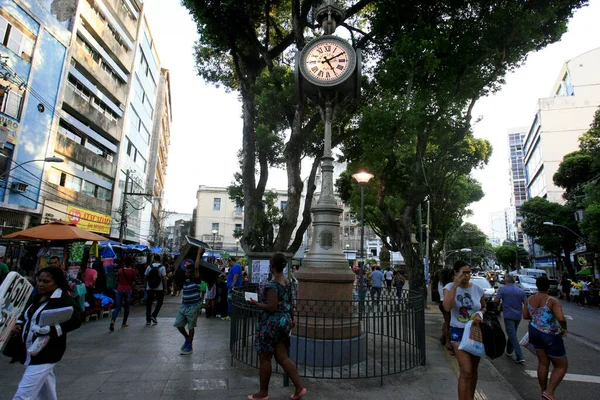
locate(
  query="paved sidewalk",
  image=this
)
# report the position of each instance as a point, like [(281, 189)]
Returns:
[(143, 362)]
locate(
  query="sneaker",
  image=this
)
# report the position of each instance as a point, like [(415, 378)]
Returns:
[(112, 326), (147, 323), (218, 315), (227, 318), (154, 321), (520, 361), (187, 350), (184, 345), (510, 354), (125, 325)]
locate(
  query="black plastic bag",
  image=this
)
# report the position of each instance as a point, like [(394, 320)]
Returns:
[(494, 340)]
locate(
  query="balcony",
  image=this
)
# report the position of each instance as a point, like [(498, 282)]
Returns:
[(238, 214), (101, 31), (121, 13), (72, 197), (79, 103), (117, 89), (218, 240), (80, 154)]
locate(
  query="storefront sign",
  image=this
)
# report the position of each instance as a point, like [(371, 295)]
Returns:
[(89, 220), (11, 127)]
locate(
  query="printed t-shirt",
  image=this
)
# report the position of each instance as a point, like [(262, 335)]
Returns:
[(236, 269), (161, 271), (512, 301), (377, 277), (466, 303), (89, 276), (125, 275), (191, 291)]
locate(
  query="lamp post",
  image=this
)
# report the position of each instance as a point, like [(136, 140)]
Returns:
[(47, 159), (362, 178), (347, 247), (214, 232), (548, 223), (237, 245)]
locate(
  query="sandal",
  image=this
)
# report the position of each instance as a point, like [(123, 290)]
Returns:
[(301, 395), (251, 397), (547, 397)]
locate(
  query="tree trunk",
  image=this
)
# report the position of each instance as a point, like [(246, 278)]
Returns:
[(251, 202), (569, 264)]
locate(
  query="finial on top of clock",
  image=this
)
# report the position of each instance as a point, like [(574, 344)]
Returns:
[(329, 15)]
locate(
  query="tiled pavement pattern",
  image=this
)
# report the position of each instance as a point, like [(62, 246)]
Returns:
[(143, 362)]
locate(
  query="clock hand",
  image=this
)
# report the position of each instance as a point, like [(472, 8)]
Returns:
[(331, 66), (329, 59)]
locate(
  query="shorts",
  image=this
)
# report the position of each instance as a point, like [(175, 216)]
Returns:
[(552, 345), (187, 315), (456, 334)]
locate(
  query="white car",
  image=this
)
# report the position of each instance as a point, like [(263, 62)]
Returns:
[(527, 283)]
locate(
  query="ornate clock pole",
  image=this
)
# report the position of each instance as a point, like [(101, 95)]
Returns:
[(328, 75)]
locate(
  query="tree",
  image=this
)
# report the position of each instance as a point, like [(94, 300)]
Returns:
[(435, 60), (508, 254), (467, 236), (559, 241), (246, 46)]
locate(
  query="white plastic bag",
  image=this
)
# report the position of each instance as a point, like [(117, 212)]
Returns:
[(472, 341), (525, 343)]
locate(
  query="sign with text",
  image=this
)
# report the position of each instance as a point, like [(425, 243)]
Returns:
[(88, 220)]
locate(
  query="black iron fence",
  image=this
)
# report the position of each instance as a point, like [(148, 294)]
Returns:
[(359, 338)]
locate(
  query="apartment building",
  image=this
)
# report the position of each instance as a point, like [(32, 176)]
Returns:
[(559, 121), (557, 125), (33, 53), (518, 181)]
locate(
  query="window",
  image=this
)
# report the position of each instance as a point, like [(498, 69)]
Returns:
[(283, 205), (238, 228), (70, 182), (5, 162), (216, 204), (11, 103), (215, 227), (239, 208), (13, 38)]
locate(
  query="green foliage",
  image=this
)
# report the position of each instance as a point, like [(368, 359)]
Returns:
[(508, 254), (558, 240), (467, 236)]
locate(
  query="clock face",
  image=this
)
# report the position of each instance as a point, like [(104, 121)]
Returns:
[(328, 61)]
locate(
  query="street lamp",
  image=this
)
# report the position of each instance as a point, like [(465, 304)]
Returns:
[(47, 159), (362, 178), (214, 232), (548, 223), (347, 247)]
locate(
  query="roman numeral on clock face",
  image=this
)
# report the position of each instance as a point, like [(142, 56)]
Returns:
[(328, 48), (320, 74), (314, 69), (340, 67)]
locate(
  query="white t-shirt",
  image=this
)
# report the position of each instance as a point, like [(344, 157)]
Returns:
[(162, 271), (441, 291), (389, 275), (466, 303)]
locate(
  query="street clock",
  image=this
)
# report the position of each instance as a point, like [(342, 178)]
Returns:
[(327, 61)]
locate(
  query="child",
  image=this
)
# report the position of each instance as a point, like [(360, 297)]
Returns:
[(190, 304)]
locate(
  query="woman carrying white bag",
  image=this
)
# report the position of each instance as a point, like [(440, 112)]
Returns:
[(465, 302)]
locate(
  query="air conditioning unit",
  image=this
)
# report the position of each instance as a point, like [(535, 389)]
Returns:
[(18, 187)]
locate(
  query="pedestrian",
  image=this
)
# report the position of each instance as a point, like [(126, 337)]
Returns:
[(398, 284), (585, 292), (125, 282), (566, 286), (377, 278), (89, 277), (389, 277), (546, 330), (221, 297), (155, 278), (234, 279), (39, 381), (187, 315), (446, 277), (272, 335), (465, 302), (211, 295), (513, 299)]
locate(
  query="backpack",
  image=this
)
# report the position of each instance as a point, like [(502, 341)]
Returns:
[(154, 278)]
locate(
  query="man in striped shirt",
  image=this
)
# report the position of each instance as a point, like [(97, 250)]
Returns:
[(190, 303)]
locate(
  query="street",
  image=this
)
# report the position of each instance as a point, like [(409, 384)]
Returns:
[(583, 349)]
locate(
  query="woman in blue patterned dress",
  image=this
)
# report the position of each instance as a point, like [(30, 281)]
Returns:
[(273, 330)]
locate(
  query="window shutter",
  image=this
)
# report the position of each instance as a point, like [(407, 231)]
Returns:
[(12, 104)]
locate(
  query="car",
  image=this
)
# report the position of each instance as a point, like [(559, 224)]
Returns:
[(527, 283), (488, 291), (553, 290)]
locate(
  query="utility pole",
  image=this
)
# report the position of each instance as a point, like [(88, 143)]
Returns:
[(427, 242), (123, 224)]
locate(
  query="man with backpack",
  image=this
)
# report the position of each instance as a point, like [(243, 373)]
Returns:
[(156, 287)]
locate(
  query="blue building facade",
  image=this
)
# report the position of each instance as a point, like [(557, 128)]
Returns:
[(33, 53)]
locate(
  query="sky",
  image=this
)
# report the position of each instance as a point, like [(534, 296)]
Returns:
[(206, 131)]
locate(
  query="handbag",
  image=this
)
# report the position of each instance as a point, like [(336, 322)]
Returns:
[(525, 343), (14, 348), (494, 340), (472, 341)]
